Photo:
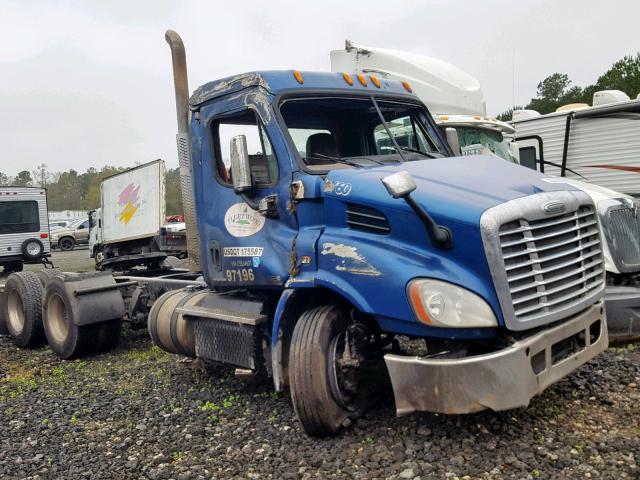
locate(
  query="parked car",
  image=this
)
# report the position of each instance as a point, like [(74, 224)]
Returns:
[(77, 233), (57, 224)]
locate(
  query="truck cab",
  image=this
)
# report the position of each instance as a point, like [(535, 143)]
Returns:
[(339, 251)]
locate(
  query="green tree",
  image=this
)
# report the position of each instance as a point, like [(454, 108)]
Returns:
[(173, 192), (23, 179), (623, 75), (4, 179)]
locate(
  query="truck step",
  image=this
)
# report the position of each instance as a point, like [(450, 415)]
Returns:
[(245, 318)]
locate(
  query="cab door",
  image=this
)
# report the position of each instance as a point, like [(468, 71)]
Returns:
[(239, 244)]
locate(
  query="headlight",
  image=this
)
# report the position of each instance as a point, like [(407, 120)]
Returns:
[(442, 304)]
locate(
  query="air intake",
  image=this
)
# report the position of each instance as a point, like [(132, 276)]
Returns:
[(367, 219)]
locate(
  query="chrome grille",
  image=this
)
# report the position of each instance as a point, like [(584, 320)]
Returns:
[(551, 262), (623, 233), (367, 219), (545, 267)]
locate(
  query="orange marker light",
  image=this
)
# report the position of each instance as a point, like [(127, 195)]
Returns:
[(444, 117), (477, 117), (362, 80), (347, 78), (375, 80), (407, 87), (298, 76), (416, 302)]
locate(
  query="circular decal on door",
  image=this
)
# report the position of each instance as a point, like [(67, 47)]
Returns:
[(242, 221)]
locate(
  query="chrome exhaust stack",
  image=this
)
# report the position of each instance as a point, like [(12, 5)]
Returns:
[(181, 85)]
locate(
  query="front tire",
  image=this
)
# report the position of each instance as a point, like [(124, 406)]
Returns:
[(23, 311), (310, 369), (66, 244)]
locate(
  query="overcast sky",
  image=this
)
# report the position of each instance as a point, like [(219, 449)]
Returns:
[(88, 83)]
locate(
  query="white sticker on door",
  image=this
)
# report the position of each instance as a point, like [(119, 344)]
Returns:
[(242, 221)]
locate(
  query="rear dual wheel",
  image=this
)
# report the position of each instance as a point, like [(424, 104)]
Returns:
[(65, 337), (22, 309)]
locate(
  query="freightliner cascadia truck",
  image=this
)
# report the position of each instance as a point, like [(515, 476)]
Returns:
[(330, 263)]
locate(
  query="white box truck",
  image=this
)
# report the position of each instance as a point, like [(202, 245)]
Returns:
[(128, 228), (24, 227)]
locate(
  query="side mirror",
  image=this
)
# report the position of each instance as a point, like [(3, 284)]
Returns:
[(240, 168), (453, 140), (399, 184)]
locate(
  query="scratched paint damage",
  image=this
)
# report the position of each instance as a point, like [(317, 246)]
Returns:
[(218, 87), (349, 259)]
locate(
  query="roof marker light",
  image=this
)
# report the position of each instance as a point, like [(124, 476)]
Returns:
[(362, 80), (444, 117), (477, 117), (375, 80), (347, 78), (407, 87), (298, 77)]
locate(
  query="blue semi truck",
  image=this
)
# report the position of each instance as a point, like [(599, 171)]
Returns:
[(338, 247), (332, 248)]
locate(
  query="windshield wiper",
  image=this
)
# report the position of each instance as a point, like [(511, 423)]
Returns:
[(414, 150), (320, 156), (386, 127)]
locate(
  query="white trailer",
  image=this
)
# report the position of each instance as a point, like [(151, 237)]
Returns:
[(24, 227), (128, 228), (598, 144)]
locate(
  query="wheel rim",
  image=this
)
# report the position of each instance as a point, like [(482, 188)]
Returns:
[(57, 318), (99, 257), (336, 380), (33, 249), (16, 311), (65, 244)]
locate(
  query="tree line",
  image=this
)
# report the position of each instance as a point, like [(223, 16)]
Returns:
[(557, 89), (72, 190)]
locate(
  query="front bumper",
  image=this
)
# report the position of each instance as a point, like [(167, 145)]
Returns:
[(623, 312), (500, 380)]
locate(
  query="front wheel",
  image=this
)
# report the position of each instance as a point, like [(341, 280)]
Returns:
[(330, 360), (66, 244)]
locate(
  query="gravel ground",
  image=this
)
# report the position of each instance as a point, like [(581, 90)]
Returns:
[(140, 413), (76, 260)]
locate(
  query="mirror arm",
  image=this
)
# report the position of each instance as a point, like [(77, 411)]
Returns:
[(439, 235), (252, 205)]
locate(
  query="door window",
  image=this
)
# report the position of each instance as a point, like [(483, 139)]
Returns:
[(264, 166)]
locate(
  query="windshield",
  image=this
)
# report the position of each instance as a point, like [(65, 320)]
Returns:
[(348, 132), (479, 141)]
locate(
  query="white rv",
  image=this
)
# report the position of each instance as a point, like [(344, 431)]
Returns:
[(24, 227), (455, 99), (598, 144)]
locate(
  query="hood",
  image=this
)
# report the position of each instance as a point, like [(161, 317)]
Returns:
[(62, 231), (457, 189), (596, 192)]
